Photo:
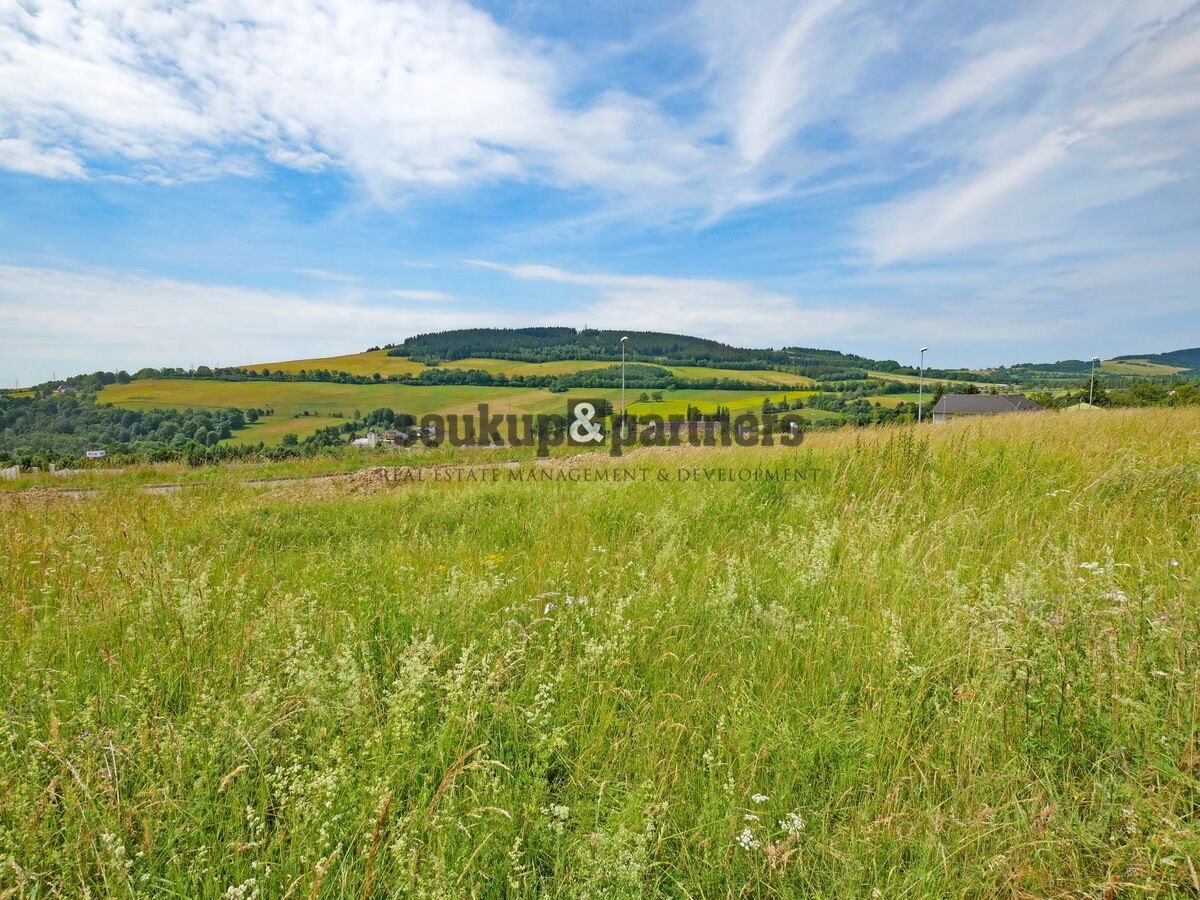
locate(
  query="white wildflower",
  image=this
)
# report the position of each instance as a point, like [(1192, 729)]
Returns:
[(558, 815), (244, 891), (747, 841), (792, 823), (760, 798)]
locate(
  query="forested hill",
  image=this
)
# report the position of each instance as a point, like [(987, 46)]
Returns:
[(544, 344), (1185, 359), (547, 344)]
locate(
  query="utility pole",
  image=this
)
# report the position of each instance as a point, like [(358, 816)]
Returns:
[(623, 340), (921, 386)]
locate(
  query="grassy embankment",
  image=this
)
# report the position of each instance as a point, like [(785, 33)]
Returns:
[(962, 662)]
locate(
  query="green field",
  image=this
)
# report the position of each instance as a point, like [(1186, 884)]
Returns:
[(375, 361), (891, 401), (961, 661), (322, 400), (352, 363), (1138, 367), (675, 403), (757, 376)]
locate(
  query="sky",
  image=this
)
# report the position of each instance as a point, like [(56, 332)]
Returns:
[(225, 182)]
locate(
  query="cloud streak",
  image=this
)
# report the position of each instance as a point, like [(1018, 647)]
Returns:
[(54, 320)]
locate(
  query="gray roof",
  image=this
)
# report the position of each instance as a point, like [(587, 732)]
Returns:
[(983, 404)]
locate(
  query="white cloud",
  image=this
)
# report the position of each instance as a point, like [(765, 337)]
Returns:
[(1045, 118), (436, 94), (60, 321), (20, 155), (728, 311), (956, 215), (422, 295), (402, 94)]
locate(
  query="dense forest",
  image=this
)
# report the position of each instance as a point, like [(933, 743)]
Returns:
[(547, 344)]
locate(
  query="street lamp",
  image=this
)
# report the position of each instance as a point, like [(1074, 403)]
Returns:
[(921, 386), (1092, 383), (623, 340)]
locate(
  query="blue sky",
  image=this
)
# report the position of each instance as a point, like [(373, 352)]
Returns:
[(227, 182)]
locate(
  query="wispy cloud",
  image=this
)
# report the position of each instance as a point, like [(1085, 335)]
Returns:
[(724, 310), (325, 275), (401, 94), (422, 295), (54, 320)]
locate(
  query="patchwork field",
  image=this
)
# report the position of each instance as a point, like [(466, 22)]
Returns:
[(378, 361), (1137, 367), (321, 400), (957, 662), (759, 376)]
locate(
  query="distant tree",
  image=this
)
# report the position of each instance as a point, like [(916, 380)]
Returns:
[(384, 417), (643, 398), (290, 439), (657, 396)]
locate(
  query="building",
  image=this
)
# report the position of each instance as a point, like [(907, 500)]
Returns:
[(371, 441), (953, 405)]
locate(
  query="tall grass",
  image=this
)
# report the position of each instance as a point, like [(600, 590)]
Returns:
[(963, 661)]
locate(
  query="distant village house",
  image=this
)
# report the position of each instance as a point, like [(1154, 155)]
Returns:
[(954, 405)]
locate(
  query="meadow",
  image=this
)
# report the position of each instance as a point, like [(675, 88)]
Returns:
[(304, 407), (378, 361), (956, 661), (1137, 367), (321, 400)]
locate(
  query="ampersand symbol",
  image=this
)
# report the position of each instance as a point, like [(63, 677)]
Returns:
[(583, 430)]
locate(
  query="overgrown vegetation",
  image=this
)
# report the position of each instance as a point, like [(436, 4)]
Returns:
[(960, 662)]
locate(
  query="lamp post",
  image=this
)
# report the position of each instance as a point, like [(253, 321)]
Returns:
[(921, 386), (623, 340), (1092, 383)]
